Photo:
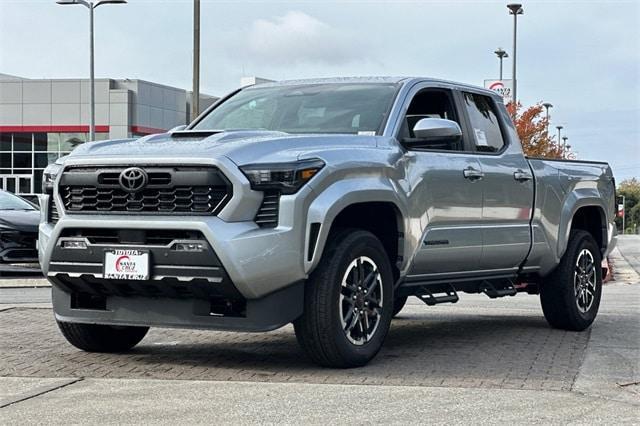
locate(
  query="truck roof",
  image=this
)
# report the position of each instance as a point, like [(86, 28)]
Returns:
[(377, 79)]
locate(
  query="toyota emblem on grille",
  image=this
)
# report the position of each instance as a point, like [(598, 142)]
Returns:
[(133, 179)]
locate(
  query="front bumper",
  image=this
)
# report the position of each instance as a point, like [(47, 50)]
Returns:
[(18, 247), (259, 268)]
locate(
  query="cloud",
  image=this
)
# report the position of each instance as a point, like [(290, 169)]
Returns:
[(296, 38)]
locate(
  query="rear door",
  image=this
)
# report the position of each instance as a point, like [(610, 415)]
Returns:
[(508, 184)]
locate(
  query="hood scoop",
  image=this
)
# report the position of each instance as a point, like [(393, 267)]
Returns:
[(226, 135)]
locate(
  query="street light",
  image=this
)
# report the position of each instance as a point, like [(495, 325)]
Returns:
[(501, 55), (91, 5), (559, 129), (564, 150), (515, 9), (546, 106), (195, 92)]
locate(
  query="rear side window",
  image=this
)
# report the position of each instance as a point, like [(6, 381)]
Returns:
[(486, 134)]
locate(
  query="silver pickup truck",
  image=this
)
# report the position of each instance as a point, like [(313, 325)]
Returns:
[(325, 203)]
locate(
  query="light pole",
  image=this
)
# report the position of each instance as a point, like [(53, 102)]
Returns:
[(623, 213), (92, 90), (195, 95), (564, 149), (559, 130), (515, 9), (501, 55), (546, 106)]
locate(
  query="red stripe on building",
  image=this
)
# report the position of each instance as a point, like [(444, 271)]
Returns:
[(146, 130), (52, 129)]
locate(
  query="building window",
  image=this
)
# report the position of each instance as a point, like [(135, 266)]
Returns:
[(23, 156)]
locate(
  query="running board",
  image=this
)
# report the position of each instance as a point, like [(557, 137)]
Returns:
[(493, 292), (431, 298)]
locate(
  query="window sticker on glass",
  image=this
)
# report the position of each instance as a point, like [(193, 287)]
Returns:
[(481, 137)]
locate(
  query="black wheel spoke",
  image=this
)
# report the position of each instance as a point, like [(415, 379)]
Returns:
[(353, 321), (372, 281)]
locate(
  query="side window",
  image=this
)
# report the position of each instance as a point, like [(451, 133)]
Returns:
[(430, 103), (486, 134)]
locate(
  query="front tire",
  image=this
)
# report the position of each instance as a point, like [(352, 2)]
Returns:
[(570, 296), (102, 338), (348, 301)]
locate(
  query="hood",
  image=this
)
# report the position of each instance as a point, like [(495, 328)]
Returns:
[(240, 146), (20, 220)]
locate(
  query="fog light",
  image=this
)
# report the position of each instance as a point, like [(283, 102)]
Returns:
[(69, 244), (188, 247)]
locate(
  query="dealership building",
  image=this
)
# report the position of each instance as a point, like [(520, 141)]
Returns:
[(43, 119)]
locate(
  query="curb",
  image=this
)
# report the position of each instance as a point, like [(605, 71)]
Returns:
[(18, 282), (623, 273)]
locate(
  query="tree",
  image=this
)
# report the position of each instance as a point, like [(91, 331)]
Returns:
[(630, 188), (532, 130)]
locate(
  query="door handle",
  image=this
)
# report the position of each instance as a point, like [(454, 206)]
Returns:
[(472, 174), (522, 176)]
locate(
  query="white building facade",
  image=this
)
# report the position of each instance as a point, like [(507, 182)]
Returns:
[(41, 120)]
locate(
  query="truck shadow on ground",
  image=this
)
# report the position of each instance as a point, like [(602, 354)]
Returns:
[(518, 351)]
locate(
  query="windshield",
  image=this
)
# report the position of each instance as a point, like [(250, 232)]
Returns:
[(9, 201), (312, 108)]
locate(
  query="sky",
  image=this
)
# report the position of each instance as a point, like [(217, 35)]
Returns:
[(582, 56)]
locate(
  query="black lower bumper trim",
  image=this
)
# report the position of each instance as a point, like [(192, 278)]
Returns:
[(267, 313)]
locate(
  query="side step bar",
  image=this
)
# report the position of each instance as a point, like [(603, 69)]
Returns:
[(493, 292), (431, 298), (435, 293)]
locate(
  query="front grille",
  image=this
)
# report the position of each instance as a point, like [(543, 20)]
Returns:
[(267, 216), (169, 190)]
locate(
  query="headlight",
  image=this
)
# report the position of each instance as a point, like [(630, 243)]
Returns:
[(288, 178), (49, 176)]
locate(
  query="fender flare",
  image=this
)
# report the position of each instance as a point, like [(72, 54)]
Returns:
[(337, 197)]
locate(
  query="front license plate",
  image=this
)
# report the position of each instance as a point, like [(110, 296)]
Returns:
[(126, 265)]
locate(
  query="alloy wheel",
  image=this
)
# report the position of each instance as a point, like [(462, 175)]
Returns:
[(584, 280), (361, 300)]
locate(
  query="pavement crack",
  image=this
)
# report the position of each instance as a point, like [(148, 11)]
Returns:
[(624, 385), (38, 392)]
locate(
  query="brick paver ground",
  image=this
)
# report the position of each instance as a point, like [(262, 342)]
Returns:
[(439, 346)]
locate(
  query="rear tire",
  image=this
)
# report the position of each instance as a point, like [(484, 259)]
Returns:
[(570, 296), (102, 338), (348, 301)]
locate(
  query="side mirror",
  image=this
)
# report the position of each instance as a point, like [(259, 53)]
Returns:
[(436, 130)]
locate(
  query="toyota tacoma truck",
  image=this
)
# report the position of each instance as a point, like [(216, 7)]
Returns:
[(322, 203)]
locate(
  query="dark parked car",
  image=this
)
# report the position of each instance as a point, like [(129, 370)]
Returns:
[(18, 229)]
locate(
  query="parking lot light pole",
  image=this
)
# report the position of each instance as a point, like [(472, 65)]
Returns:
[(546, 106), (564, 150), (559, 138), (501, 55), (195, 93), (92, 92), (515, 9)]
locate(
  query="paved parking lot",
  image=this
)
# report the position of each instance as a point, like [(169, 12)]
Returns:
[(439, 346), (474, 359)]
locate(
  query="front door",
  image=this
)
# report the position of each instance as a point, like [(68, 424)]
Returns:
[(445, 191)]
